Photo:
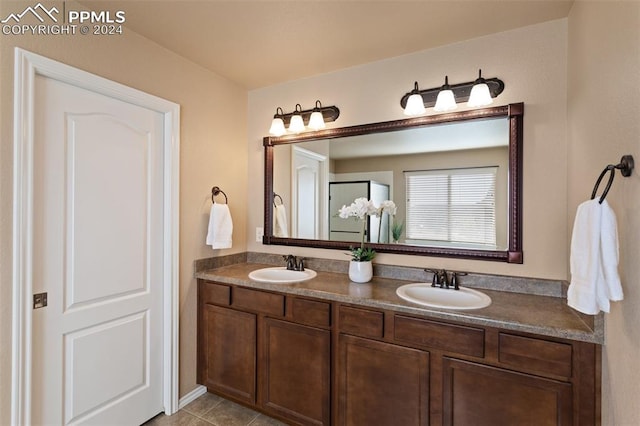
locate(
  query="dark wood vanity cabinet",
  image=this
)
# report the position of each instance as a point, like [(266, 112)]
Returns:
[(267, 351), (295, 372), (396, 369), (481, 395), (523, 380), (228, 346), (314, 362), (378, 382), (381, 383)]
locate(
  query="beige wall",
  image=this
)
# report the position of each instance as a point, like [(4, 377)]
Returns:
[(604, 124), (532, 63), (213, 152)]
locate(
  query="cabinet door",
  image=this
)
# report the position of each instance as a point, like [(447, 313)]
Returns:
[(476, 394), (229, 359), (381, 384), (296, 375)]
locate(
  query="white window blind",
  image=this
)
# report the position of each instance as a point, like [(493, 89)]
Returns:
[(452, 206)]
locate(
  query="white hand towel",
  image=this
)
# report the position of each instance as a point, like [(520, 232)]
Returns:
[(585, 258), (281, 228), (610, 253), (220, 227), (594, 259)]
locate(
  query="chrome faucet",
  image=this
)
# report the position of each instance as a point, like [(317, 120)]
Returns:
[(441, 278), (294, 263)]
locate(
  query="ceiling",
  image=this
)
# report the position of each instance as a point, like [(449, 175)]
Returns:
[(264, 42)]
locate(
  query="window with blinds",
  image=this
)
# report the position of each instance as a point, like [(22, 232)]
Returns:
[(452, 207)]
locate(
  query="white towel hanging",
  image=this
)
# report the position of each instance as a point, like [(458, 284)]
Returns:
[(610, 252), (594, 259), (219, 235), (281, 226)]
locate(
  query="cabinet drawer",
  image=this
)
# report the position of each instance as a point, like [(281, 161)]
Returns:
[(437, 335), (311, 312), (535, 354), (361, 322), (215, 294), (258, 301)]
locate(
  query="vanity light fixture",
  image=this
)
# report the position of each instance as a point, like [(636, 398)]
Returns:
[(415, 103), (480, 95), (277, 125), (315, 119), (461, 92), (296, 125), (446, 100)]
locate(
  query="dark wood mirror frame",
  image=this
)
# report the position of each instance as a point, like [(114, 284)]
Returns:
[(514, 113)]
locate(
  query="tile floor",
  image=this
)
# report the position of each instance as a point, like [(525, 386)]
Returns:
[(211, 409)]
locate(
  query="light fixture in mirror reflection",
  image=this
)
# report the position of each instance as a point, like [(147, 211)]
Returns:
[(455, 179)]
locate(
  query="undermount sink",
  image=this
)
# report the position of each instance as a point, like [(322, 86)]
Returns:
[(281, 275), (436, 297)]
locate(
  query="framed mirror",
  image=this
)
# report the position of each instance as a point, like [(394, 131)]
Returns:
[(455, 178)]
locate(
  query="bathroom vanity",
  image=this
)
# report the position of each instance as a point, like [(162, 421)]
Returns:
[(327, 351), (330, 352)]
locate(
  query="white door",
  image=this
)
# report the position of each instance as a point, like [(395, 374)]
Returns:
[(308, 194), (97, 252)]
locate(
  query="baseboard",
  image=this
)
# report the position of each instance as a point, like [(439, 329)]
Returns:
[(191, 396)]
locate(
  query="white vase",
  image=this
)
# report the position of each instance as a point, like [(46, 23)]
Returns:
[(360, 272)]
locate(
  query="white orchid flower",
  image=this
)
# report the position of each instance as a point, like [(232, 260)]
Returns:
[(360, 208), (345, 212), (388, 207)]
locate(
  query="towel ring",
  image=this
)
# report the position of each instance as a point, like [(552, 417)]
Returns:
[(274, 199), (612, 174), (217, 191), (625, 166)]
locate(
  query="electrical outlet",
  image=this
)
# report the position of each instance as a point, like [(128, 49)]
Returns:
[(259, 234)]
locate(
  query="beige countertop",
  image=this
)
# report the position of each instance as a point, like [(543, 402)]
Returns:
[(543, 315)]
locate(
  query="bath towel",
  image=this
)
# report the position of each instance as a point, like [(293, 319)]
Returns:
[(594, 259), (281, 228), (220, 227), (609, 250)]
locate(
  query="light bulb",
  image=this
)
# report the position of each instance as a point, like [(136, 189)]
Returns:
[(446, 100), (277, 124), (480, 95), (296, 125), (277, 127), (316, 121), (415, 103)]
